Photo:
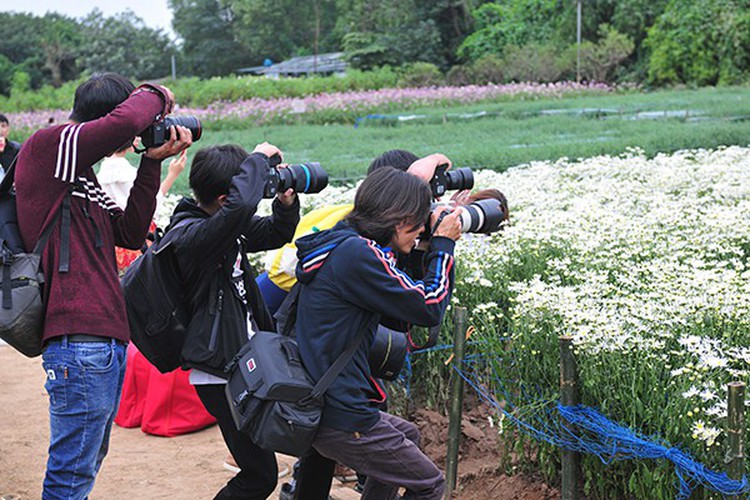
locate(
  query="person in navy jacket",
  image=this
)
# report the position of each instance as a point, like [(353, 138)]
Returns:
[(350, 279)]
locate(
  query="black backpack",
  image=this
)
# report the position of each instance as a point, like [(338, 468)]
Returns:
[(21, 278), (157, 308)]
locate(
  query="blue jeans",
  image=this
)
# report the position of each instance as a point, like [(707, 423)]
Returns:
[(84, 381)]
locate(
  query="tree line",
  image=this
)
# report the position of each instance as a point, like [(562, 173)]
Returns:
[(657, 42)]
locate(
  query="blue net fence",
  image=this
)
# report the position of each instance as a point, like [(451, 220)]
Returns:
[(581, 428)]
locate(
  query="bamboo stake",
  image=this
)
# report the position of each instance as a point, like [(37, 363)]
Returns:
[(569, 396), (736, 429), (457, 401)]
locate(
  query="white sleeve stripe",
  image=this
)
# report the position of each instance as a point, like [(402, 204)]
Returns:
[(58, 166), (66, 154), (74, 154)]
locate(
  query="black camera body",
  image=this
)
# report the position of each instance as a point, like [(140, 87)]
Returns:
[(303, 178), (444, 180), (158, 133)]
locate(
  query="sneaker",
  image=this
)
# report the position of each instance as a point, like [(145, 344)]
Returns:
[(231, 465), (287, 492)]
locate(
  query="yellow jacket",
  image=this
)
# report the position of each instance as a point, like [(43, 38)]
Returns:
[(284, 263)]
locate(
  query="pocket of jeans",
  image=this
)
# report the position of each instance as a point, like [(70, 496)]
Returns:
[(96, 358), (55, 386)]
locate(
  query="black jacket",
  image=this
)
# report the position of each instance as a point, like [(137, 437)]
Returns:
[(207, 248), (348, 283)]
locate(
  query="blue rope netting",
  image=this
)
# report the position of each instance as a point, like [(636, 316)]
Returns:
[(585, 430)]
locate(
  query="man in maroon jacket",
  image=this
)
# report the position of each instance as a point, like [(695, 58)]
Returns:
[(86, 327)]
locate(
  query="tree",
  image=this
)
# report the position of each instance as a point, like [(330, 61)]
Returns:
[(125, 45), (598, 60), (209, 45), (60, 42), (22, 42), (519, 23), (703, 42), (396, 32), (278, 29)]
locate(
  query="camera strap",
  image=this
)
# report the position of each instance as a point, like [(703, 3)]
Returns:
[(440, 218)]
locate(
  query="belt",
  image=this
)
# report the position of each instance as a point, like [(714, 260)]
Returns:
[(82, 337)]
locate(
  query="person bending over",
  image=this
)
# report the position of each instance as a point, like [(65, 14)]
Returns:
[(350, 280)]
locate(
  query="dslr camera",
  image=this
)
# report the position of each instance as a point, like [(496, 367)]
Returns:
[(158, 133), (483, 216), (302, 178)]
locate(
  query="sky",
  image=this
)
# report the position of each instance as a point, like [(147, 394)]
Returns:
[(155, 13)]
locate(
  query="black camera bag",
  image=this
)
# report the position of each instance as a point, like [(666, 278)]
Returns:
[(21, 278), (271, 396)]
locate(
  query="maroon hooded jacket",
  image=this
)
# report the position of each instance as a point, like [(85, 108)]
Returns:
[(87, 299)]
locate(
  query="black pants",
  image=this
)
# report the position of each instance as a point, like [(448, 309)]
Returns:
[(258, 471), (314, 476)]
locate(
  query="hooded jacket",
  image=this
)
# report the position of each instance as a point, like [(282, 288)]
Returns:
[(207, 248), (349, 282)]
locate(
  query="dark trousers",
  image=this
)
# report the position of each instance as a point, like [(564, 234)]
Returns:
[(258, 470), (389, 455), (314, 476)]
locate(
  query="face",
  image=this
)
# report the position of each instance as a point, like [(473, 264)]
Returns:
[(4, 129), (405, 237)]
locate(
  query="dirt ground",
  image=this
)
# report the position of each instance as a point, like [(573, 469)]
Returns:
[(190, 466)]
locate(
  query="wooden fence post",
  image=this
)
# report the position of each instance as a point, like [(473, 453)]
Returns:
[(569, 396), (457, 401), (736, 430)]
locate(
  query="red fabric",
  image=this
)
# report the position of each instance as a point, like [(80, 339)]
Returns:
[(163, 404)]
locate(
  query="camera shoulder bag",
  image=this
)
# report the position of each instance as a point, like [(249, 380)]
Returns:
[(155, 300), (271, 396), (21, 278)]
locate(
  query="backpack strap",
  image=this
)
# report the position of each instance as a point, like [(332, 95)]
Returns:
[(286, 315), (330, 375)]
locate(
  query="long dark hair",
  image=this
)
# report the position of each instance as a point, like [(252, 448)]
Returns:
[(386, 198)]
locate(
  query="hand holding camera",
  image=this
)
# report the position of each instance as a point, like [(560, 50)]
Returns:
[(446, 222), (180, 138)]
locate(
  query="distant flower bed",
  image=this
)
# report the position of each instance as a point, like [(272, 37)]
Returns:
[(343, 107)]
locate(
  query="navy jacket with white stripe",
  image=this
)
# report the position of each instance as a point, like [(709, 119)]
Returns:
[(349, 282), (87, 299)]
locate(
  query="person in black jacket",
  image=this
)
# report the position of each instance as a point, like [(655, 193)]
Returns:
[(350, 280), (8, 149), (211, 236)]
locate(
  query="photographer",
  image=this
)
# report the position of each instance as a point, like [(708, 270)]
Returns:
[(211, 236), (85, 324), (350, 280)]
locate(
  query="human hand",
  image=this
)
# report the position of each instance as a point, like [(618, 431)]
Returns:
[(177, 165), (268, 149), (450, 225), (2, 143), (180, 138), (424, 168), (460, 198), (287, 197)]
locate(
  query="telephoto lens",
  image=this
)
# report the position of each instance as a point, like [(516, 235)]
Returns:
[(387, 353), (303, 178), (158, 133), (483, 216)]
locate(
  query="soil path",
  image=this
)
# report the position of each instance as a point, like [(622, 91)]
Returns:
[(190, 466)]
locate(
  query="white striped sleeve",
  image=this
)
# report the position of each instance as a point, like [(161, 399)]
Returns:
[(67, 153)]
